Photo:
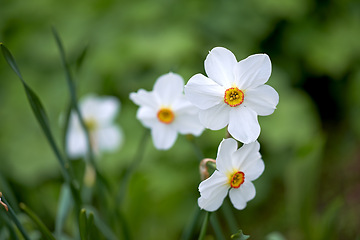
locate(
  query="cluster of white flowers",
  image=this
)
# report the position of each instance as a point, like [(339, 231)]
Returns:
[(232, 94)]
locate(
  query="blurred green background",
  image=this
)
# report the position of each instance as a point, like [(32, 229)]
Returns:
[(311, 185)]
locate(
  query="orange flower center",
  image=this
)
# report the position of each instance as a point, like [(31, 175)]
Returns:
[(166, 115), (233, 97), (237, 179)]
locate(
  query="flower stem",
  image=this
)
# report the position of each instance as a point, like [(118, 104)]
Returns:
[(204, 226), (135, 162), (189, 229), (197, 150), (15, 219)]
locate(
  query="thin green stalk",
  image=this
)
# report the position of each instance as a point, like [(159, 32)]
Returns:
[(73, 97), (217, 228), (204, 226), (15, 219), (191, 226), (229, 216), (41, 116), (199, 154), (134, 163), (43, 229)]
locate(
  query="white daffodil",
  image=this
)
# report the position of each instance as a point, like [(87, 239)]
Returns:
[(235, 170), (166, 111), (234, 93), (99, 114)]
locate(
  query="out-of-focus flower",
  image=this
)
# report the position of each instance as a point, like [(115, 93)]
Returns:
[(166, 111), (235, 170), (234, 93), (99, 114)]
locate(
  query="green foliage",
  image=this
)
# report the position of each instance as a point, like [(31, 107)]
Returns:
[(309, 145)]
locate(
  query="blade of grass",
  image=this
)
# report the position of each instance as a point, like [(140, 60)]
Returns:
[(204, 226), (75, 107), (14, 218), (42, 119), (83, 224), (43, 229), (65, 204)]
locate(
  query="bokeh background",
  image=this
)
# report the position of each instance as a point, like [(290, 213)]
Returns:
[(311, 185)]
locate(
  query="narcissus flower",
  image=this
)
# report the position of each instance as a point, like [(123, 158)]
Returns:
[(235, 171), (234, 93), (99, 114), (166, 111)]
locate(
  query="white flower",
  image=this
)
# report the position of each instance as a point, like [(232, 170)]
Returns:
[(166, 111), (234, 93), (99, 114), (235, 169)]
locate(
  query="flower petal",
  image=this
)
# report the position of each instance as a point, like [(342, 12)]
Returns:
[(224, 156), (219, 66), (253, 71), (163, 136), (243, 125), (147, 116), (262, 99), (187, 123), (253, 169), (213, 191), (248, 152), (239, 196), (216, 117), (145, 98), (103, 109), (109, 138), (168, 87), (76, 143), (203, 92)]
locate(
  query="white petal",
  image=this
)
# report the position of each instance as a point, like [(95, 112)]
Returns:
[(163, 135), (103, 109), (76, 143), (213, 191), (262, 99), (145, 98), (109, 138), (203, 92), (224, 156), (216, 117), (239, 196), (249, 152), (183, 105), (253, 71), (253, 169), (147, 116), (219, 66), (243, 125), (168, 87), (188, 124)]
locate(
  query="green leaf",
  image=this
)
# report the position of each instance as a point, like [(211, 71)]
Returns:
[(65, 204), (239, 236), (83, 224), (37, 108), (43, 229), (15, 219)]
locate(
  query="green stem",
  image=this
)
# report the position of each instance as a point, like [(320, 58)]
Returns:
[(190, 227), (204, 226), (15, 219), (216, 227), (135, 162), (199, 154)]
